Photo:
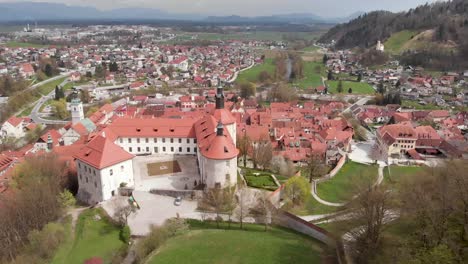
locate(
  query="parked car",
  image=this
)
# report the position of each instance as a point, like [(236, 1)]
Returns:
[(178, 201)]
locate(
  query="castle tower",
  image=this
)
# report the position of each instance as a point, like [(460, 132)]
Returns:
[(224, 115), (76, 109)]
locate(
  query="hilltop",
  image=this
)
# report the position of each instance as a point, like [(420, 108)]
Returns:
[(448, 20), (440, 28)]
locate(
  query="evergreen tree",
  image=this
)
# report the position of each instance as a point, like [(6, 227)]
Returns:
[(330, 75), (339, 89), (359, 78), (350, 90), (57, 93), (381, 88), (48, 70), (325, 58)]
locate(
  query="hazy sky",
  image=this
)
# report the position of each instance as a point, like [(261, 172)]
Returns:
[(325, 8)]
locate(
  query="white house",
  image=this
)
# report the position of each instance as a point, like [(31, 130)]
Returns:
[(102, 167), (14, 127)]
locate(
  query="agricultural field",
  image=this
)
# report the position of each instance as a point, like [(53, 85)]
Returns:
[(357, 87), (313, 72), (251, 75)]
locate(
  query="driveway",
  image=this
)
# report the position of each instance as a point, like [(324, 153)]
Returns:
[(154, 210)]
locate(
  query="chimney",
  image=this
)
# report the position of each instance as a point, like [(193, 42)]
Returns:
[(220, 129), (220, 97), (50, 143)]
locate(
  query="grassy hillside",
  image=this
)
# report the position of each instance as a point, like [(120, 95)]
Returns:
[(397, 42)]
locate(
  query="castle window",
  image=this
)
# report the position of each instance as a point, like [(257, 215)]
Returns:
[(194, 140), (130, 149), (139, 149), (180, 140), (164, 140), (111, 172), (121, 140), (147, 149), (188, 140), (228, 177), (195, 150), (129, 140), (86, 179), (155, 140), (180, 149), (172, 149), (188, 149), (155, 149), (147, 140), (122, 168), (172, 140), (228, 163), (138, 140), (164, 149)]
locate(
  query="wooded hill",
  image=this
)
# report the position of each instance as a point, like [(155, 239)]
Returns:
[(448, 19)]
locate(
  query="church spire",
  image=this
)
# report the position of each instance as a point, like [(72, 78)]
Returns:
[(219, 96)]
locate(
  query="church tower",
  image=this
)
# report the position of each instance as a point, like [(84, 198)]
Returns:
[(76, 109)]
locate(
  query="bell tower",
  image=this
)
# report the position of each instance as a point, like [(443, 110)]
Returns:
[(76, 109)]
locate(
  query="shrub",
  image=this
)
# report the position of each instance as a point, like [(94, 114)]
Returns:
[(125, 234), (66, 199)]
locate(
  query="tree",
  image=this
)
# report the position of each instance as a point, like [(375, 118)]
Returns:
[(48, 70), (247, 89), (85, 97), (372, 209), (213, 200), (122, 212), (359, 78), (315, 168), (330, 75), (282, 93), (59, 94), (66, 199), (296, 190), (100, 72), (339, 88), (242, 208), (282, 166), (244, 144), (60, 109), (230, 202), (325, 59), (113, 67), (350, 90), (40, 75), (263, 209), (262, 153), (264, 77), (381, 88)]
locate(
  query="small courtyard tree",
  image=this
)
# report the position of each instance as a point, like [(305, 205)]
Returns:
[(296, 190)]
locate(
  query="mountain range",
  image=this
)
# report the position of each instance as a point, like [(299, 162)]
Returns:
[(41, 11)]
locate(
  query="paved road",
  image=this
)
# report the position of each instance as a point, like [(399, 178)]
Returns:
[(35, 111)]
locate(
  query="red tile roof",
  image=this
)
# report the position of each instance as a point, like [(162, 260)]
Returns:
[(102, 153), (158, 127)]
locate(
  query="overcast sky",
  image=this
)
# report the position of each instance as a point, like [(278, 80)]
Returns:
[(324, 8)]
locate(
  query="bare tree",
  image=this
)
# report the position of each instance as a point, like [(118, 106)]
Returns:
[(122, 212), (213, 200), (242, 208), (296, 190), (230, 203), (244, 144), (371, 211), (315, 168), (262, 152), (263, 209)]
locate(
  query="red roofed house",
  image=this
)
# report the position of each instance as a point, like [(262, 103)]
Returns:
[(396, 139), (15, 127), (101, 167), (180, 63), (27, 70)]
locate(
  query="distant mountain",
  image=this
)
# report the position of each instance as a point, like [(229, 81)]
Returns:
[(285, 18), (37, 11)]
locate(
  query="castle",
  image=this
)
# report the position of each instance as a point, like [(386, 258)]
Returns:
[(105, 163)]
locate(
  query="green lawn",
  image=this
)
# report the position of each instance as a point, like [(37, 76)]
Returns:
[(251, 75), (312, 207), (26, 112), (92, 238), (263, 180), (310, 49), (358, 87), (397, 41), (312, 77), (415, 105), (204, 244), (347, 182), (15, 44), (50, 86), (397, 175)]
